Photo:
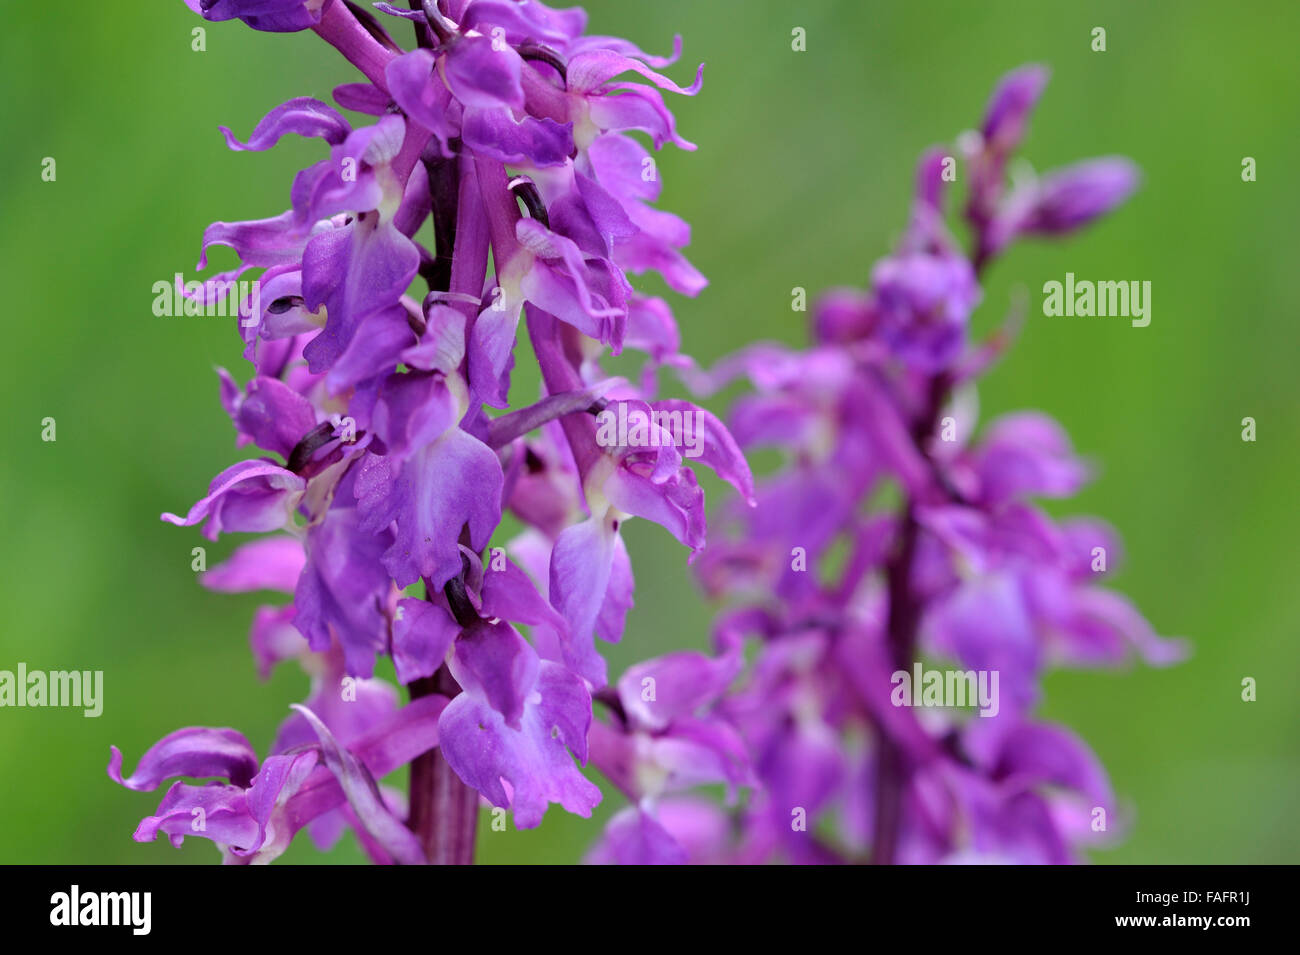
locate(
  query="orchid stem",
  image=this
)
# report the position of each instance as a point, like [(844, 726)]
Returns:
[(892, 769), (444, 811), (342, 30)]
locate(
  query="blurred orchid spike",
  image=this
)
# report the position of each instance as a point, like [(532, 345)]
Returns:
[(842, 595)]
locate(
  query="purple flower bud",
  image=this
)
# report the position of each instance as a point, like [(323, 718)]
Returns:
[(1069, 198), (1009, 108), (924, 303), (843, 315)]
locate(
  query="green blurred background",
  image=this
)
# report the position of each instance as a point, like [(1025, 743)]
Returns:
[(802, 179)]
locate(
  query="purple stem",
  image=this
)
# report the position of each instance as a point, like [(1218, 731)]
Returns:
[(444, 811), (893, 768), (469, 266), (341, 30)]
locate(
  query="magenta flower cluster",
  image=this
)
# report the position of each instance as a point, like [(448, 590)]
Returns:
[(498, 173), (500, 179)]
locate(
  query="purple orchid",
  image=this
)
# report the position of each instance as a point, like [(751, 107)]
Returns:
[(846, 599), (392, 449), (387, 465), (666, 735)]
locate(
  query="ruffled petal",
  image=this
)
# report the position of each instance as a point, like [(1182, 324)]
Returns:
[(304, 116), (452, 483), (483, 73), (494, 132), (197, 752), (533, 759), (495, 663), (423, 633), (274, 416), (248, 496), (343, 592)]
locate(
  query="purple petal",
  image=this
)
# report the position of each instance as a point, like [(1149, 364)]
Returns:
[(484, 74), (1116, 616), (197, 752), (260, 242), (676, 504), (363, 796), (305, 116), (494, 662), (1027, 454), (224, 814), (454, 482), (276, 782), (843, 315), (353, 271), (272, 16), (658, 691), (525, 21), (362, 98), (1031, 755), (274, 638), (534, 759), (443, 346), (634, 837), (494, 132), (406, 734), (618, 595), (274, 415), (375, 349), (249, 496), (714, 444), (986, 625), (637, 107), (924, 303), (1069, 198), (579, 577), (509, 593), (588, 293), (593, 69), (620, 164), (698, 752), (272, 563), (424, 99), (343, 591), (423, 633), (413, 410)]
